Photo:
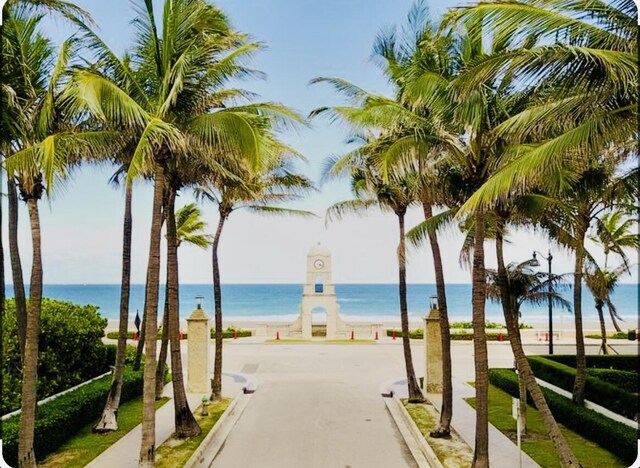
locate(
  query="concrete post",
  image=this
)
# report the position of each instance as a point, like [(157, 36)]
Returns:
[(199, 346), (433, 353)]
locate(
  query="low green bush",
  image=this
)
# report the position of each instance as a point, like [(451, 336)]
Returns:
[(70, 350), (455, 336), (626, 362), (626, 380), (615, 336), (59, 419), (618, 438), (228, 333), (416, 334), (598, 391)]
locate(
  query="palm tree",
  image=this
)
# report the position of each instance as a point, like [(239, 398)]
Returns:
[(41, 158), (166, 104), (109, 419), (395, 194), (601, 283), (524, 286), (189, 229), (600, 186), (257, 190)]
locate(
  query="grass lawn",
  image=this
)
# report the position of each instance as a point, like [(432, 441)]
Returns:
[(453, 452), (86, 445), (294, 341), (175, 452), (537, 443)]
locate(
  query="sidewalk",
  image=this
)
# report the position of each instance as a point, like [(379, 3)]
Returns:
[(126, 452), (502, 452)]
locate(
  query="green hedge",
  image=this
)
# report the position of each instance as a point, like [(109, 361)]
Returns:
[(626, 380), (596, 390), (618, 438), (70, 350), (59, 419), (459, 336), (626, 362), (228, 333)]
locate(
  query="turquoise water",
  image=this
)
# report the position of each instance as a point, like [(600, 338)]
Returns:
[(357, 301)]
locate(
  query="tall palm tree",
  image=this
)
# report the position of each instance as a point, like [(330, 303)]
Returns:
[(259, 190), (394, 193), (109, 419), (40, 159), (189, 229), (600, 186), (167, 105)]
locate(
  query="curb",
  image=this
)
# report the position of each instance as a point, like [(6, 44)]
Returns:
[(211, 445), (422, 453)]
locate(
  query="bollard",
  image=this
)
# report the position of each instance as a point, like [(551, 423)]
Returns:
[(352, 335), (546, 336), (376, 334), (135, 335), (277, 335), (500, 337), (235, 334), (393, 335)]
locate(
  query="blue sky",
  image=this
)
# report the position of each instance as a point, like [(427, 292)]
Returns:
[(304, 39)]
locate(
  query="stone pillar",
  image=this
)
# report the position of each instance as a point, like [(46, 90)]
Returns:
[(433, 353), (199, 346)]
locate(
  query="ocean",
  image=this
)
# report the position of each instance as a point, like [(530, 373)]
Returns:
[(358, 302)]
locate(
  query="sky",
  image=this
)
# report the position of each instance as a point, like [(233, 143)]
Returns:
[(304, 39)]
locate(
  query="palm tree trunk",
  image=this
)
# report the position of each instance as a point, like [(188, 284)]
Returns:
[(185, 424), (16, 263), (525, 374), (615, 322), (481, 452), (147, 446), (415, 395), (3, 293), (581, 362), (216, 382), (109, 419), (161, 370), (26, 454), (446, 410), (603, 328), (164, 346)]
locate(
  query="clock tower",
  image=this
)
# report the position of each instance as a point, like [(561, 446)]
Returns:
[(319, 292)]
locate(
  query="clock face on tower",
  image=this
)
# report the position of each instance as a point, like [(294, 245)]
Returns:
[(319, 264)]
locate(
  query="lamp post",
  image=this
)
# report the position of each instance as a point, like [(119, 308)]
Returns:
[(535, 262), (199, 301)]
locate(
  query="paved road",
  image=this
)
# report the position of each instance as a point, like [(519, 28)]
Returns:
[(316, 406)]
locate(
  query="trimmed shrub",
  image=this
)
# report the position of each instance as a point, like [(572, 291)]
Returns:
[(70, 350), (228, 333), (626, 380), (58, 420), (611, 435), (455, 336), (596, 390), (627, 362)]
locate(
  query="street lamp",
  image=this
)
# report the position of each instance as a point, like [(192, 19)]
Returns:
[(433, 302), (199, 300), (535, 262)]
